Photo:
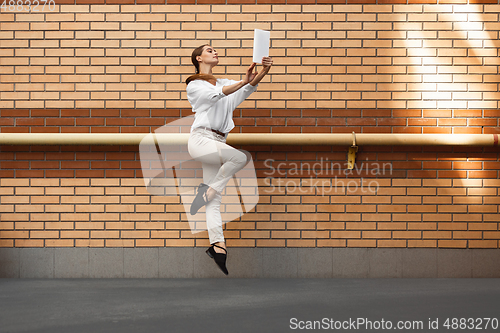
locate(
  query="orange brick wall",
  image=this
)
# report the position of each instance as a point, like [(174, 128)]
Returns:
[(396, 68), (326, 56), (95, 196)]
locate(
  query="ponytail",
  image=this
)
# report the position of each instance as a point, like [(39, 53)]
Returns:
[(207, 77)]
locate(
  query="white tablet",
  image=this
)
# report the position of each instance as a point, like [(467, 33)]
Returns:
[(260, 45)]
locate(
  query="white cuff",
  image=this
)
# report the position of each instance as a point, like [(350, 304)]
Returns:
[(253, 87), (219, 90)]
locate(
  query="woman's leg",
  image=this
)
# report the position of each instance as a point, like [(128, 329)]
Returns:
[(208, 150), (212, 209), (212, 153)]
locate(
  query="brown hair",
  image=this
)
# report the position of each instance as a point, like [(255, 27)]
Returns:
[(207, 77)]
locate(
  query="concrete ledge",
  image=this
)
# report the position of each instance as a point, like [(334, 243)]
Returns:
[(185, 262)]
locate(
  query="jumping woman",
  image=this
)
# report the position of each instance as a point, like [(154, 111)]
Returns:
[(213, 101)]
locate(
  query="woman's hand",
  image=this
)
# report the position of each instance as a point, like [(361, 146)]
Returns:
[(249, 75), (267, 62)]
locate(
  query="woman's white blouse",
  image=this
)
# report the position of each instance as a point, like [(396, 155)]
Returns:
[(212, 108)]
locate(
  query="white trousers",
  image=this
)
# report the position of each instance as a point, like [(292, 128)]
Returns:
[(219, 162)]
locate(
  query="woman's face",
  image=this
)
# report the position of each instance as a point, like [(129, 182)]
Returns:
[(208, 56)]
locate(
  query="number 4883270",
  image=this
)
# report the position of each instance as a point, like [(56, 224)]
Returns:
[(471, 323), (27, 5)]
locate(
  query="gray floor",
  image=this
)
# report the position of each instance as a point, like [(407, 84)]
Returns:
[(239, 305)]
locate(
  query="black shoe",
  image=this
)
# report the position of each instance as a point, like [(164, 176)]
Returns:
[(200, 199), (220, 258)]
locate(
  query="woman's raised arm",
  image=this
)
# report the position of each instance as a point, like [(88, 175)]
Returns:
[(236, 86), (267, 62)]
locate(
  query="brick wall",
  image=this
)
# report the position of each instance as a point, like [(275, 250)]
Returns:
[(426, 197), (326, 56), (386, 68)]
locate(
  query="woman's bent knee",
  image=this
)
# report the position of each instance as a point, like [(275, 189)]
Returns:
[(247, 155), (239, 158)]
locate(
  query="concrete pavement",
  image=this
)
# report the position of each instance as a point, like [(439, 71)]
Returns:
[(240, 305)]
